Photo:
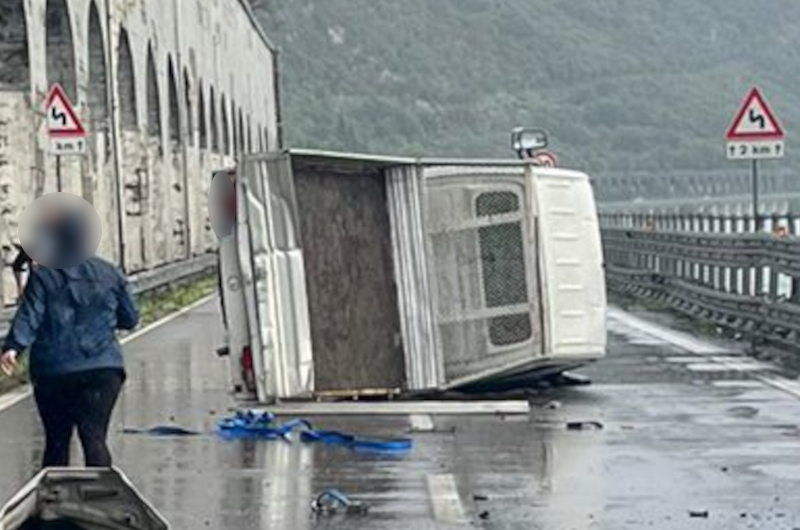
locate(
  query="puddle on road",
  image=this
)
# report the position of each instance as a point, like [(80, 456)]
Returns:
[(761, 449), (781, 471)]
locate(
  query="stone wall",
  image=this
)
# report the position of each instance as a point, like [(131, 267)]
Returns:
[(150, 80)]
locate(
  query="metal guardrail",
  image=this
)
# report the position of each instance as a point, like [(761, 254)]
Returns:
[(732, 251), (171, 273), (147, 281), (731, 280)]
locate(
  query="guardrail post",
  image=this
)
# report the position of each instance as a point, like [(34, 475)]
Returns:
[(747, 271), (755, 280), (713, 270), (727, 272), (734, 270), (774, 276), (686, 227), (698, 267), (794, 296)]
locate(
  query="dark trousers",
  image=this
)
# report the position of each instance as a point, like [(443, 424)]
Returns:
[(84, 401)]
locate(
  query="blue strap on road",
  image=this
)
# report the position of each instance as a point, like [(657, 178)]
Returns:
[(262, 425), (393, 445)]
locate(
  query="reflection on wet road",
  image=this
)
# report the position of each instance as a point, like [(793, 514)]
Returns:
[(676, 440)]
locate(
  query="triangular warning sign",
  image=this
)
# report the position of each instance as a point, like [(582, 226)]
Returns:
[(755, 120), (61, 117)]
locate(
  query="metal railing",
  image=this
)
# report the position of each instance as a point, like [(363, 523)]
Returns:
[(719, 269)]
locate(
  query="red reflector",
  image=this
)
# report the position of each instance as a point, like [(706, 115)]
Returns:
[(248, 374), (247, 358)]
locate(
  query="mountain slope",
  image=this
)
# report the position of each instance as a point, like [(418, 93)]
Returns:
[(619, 84)]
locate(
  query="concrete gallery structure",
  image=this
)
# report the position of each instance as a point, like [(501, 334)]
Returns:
[(168, 91)]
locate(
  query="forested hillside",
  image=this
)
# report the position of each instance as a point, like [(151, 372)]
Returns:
[(619, 84)]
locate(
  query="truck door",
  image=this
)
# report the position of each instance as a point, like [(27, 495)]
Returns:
[(236, 285), (482, 257), (277, 300)]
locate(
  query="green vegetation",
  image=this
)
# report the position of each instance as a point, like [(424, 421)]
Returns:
[(152, 306), (620, 85), (156, 305)]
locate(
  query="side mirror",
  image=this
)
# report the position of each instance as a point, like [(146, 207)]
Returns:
[(526, 140)]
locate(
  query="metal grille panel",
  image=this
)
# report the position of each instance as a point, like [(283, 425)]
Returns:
[(485, 318)]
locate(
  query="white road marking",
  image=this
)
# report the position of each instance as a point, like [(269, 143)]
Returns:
[(645, 342), (733, 359), (725, 367), (742, 383), (682, 360), (421, 422), (445, 500), (9, 399), (697, 346)]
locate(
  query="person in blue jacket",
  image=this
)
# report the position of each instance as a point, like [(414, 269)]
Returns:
[(68, 317)]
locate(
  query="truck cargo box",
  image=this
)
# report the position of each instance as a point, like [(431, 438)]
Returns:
[(363, 272)]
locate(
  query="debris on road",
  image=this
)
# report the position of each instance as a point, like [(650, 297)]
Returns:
[(331, 501), (552, 405), (743, 412), (421, 423), (700, 514), (484, 515), (162, 430), (262, 425), (480, 498), (581, 425)]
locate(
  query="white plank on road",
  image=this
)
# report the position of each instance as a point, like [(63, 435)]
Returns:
[(445, 500), (312, 408)]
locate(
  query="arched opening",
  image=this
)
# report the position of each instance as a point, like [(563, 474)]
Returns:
[(260, 139), (187, 92), (126, 84), (212, 103), (59, 50), (96, 94), (241, 132), (249, 136), (153, 103), (226, 134), (174, 116), (235, 146), (133, 170), (15, 72), (266, 139), (201, 117)]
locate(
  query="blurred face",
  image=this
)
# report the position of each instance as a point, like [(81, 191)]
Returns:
[(222, 204), (59, 230)]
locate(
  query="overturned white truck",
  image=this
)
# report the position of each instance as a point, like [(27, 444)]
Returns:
[(349, 272)]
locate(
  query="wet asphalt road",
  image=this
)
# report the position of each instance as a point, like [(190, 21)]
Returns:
[(679, 435)]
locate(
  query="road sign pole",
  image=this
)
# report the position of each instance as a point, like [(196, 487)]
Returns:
[(58, 173), (756, 209)]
